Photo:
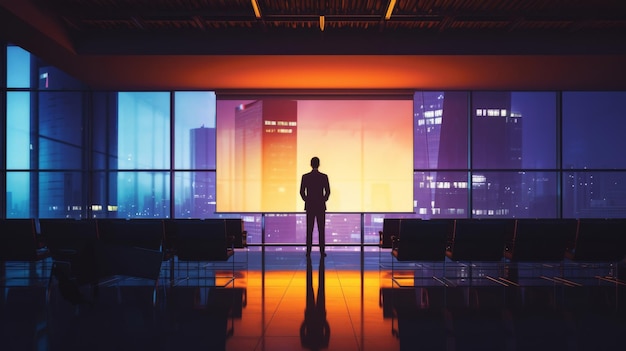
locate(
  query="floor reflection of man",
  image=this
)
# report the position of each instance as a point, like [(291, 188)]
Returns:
[(315, 330)]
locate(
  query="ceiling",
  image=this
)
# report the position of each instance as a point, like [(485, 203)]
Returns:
[(71, 32)]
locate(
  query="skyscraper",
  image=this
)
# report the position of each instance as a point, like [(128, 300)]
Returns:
[(202, 143), (265, 155)]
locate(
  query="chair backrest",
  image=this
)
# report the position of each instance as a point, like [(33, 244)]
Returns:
[(423, 240), (599, 239), (201, 240), (480, 239), (137, 232), (541, 239), (18, 240), (64, 235), (128, 261), (235, 229), (391, 228)]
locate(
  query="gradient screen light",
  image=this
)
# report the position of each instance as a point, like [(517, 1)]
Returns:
[(264, 146)]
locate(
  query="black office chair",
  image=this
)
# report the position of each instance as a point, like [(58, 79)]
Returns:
[(19, 242), (599, 245), (205, 240), (538, 244), (421, 242), (479, 241)]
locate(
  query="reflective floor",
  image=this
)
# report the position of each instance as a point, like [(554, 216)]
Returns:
[(349, 300)]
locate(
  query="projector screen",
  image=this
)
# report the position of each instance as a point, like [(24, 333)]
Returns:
[(264, 146)]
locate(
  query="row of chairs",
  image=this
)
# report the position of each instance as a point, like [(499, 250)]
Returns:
[(529, 240), (86, 251), (513, 240)]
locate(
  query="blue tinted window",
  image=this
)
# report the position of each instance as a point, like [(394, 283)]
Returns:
[(440, 135), (139, 194), (195, 130), (514, 194), (513, 130), (18, 194), (60, 195), (19, 145), (60, 130), (143, 131), (593, 130), (600, 194), (18, 67)]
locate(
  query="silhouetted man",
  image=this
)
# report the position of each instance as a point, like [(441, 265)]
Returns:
[(315, 190)]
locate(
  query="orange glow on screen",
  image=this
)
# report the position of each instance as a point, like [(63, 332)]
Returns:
[(365, 148)]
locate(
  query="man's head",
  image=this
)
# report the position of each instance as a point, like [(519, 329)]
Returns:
[(315, 163)]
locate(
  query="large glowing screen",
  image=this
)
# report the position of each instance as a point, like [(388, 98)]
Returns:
[(264, 146)]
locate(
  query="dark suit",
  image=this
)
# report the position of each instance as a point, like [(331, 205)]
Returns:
[(315, 190)]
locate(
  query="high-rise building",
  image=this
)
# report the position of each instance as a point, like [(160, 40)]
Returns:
[(202, 144), (266, 140), (496, 145), (265, 154)]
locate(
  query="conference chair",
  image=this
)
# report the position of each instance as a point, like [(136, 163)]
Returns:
[(599, 246), (391, 228), (205, 241), (479, 241), (72, 245), (145, 233), (538, 244), (19, 242), (235, 229), (421, 243)]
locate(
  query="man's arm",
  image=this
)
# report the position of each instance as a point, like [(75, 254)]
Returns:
[(326, 188), (302, 189)]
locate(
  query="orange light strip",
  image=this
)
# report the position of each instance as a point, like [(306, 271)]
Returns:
[(392, 4), (257, 10)]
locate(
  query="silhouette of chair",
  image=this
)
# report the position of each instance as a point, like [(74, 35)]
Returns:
[(72, 246), (19, 242), (479, 240), (235, 229), (136, 232), (421, 241), (204, 240), (82, 257), (598, 241), (131, 248), (537, 242), (391, 228)]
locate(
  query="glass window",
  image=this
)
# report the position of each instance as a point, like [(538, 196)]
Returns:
[(291, 228), (440, 136), (513, 130), (143, 130), (18, 199), (61, 130), (441, 194), (139, 194), (104, 130), (18, 130), (195, 130), (194, 195), (18, 67), (600, 194), (61, 195), (593, 130), (514, 194), (103, 206)]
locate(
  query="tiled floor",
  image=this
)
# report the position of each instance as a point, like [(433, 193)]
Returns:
[(279, 300)]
